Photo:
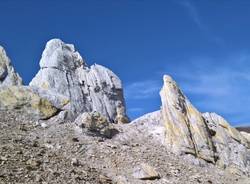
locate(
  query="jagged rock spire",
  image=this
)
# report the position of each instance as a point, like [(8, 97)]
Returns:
[(8, 76), (186, 130), (207, 136)]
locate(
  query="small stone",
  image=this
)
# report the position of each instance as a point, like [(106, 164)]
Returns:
[(75, 162), (105, 180), (44, 125), (145, 172), (35, 144), (38, 178), (3, 158), (75, 139), (33, 164)]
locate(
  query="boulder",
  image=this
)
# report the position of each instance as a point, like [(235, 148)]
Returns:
[(95, 88), (96, 123), (23, 99), (8, 76), (186, 130), (231, 146), (145, 172)]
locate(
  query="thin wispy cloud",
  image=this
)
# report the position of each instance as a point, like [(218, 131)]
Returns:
[(142, 97), (197, 19), (142, 89), (218, 85), (192, 11)]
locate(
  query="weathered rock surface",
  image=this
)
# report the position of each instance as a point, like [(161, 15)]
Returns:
[(231, 146), (8, 76), (145, 172), (186, 130), (247, 137), (24, 99), (96, 123), (194, 136), (147, 126), (95, 88)]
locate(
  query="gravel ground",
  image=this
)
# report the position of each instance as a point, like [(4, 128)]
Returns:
[(48, 153)]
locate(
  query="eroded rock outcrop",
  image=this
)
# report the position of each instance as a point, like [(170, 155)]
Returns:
[(95, 88), (186, 130), (8, 76), (23, 99), (231, 146), (200, 138), (247, 137)]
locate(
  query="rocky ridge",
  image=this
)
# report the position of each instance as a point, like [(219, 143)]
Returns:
[(70, 99)]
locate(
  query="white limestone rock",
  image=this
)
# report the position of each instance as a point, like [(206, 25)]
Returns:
[(231, 146), (148, 127), (8, 76), (186, 130), (247, 137), (95, 88)]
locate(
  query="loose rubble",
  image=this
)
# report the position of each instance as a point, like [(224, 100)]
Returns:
[(31, 154)]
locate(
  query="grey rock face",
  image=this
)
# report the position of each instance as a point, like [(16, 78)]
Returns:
[(95, 88), (8, 76), (231, 146)]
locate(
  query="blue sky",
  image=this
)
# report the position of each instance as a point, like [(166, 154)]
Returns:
[(204, 45)]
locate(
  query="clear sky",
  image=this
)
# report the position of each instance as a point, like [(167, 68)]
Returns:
[(204, 45)]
